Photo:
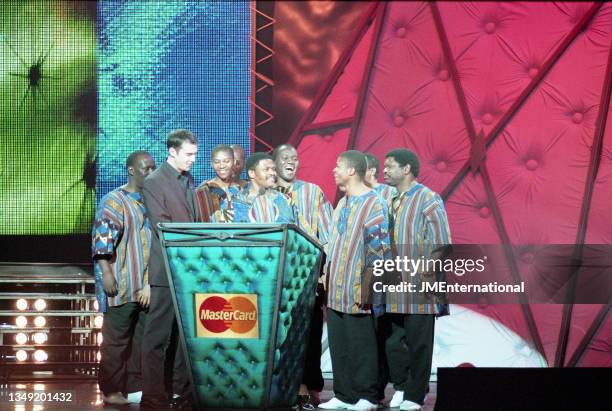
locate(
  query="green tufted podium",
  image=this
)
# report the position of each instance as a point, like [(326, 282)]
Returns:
[(243, 295)]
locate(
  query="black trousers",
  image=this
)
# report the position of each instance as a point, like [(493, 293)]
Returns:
[(134, 365), (354, 355), (120, 349), (164, 370), (383, 371), (409, 348), (313, 377)]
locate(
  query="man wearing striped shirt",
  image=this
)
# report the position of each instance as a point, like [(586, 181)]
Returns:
[(386, 194), (121, 238), (239, 162), (316, 212), (359, 237), (258, 202), (419, 228)]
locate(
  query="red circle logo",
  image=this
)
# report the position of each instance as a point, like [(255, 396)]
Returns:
[(237, 314)]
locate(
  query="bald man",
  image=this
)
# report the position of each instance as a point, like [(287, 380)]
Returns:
[(239, 161)]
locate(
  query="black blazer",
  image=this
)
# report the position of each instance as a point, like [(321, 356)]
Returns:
[(165, 202)]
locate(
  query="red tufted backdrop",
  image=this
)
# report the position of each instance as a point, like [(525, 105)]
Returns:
[(506, 105)]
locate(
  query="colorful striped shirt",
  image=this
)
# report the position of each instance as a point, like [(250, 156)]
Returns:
[(358, 238), (211, 200), (122, 233), (419, 226), (270, 206), (314, 210), (387, 192)]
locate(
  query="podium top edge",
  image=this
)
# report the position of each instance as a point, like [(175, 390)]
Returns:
[(239, 226)]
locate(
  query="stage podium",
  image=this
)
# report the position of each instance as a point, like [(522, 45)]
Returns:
[(243, 294)]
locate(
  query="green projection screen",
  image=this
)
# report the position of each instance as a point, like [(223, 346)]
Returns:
[(47, 117)]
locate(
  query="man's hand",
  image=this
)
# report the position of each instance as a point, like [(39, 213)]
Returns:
[(109, 282), (365, 307), (144, 296), (367, 290)]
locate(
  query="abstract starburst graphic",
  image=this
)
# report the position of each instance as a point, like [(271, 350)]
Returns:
[(47, 117)]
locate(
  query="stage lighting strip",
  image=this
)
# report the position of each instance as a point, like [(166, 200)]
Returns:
[(26, 342)]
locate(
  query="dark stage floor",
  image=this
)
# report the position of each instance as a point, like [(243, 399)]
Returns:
[(85, 396)]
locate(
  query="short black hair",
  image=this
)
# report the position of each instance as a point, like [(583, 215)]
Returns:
[(255, 159), (280, 148), (130, 161), (404, 157), (221, 147), (372, 163), (237, 146), (356, 160), (176, 138)]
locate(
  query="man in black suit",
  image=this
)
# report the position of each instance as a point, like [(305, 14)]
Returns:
[(169, 197)]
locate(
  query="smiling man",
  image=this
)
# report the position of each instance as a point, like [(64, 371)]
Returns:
[(258, 202), (316, 211), (359, 237), (308, 198), (169, 197)]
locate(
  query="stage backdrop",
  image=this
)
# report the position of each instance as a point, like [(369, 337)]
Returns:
[(507, 106), (47, 118), (164, 65), (126, 71)]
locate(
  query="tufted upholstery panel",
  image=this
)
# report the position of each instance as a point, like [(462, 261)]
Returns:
[(317, 149), (531, 77), (231, 373), (342, 100), (296, 303)]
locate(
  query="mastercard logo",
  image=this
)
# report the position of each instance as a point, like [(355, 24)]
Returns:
[(236, 314)]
